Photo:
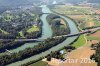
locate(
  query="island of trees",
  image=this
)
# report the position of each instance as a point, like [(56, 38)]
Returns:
[(58, 25)]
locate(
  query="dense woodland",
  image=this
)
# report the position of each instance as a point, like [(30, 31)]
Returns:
[(96, 56), (9, 44), (56, 55)]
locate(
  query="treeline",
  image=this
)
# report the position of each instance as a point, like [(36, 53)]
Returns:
[(55, 54), (91, 27), (56, 25), (7, 36), (96, 56), (43, 46), (9, 44)]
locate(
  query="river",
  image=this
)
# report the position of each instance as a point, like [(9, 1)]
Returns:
[(73, 30)]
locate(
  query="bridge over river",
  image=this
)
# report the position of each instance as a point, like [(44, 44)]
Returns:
[(69, 35), (39, 40)]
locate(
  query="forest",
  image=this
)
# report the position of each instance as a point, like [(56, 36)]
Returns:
[(96, 56)]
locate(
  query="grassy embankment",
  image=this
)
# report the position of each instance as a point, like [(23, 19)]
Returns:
[(80, 42)]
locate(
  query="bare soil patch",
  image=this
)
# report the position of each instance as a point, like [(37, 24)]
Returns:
[(97, 11), (63, 22), (77, 16), (89, 24), (97, 34)]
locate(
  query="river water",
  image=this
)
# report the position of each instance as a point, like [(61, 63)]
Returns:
[(48, 33)]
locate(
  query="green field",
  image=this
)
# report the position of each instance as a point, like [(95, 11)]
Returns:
[(80, 42), (39, 63), (32, 29), (93, 38), (71, 10), (97, 23), (21, 34)]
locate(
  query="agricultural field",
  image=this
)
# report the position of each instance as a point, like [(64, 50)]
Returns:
[(82, 15), (80, 42)]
